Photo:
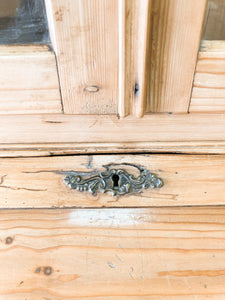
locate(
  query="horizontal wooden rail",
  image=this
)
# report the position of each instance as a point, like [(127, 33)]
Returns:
[(48, 128), (38, 182)]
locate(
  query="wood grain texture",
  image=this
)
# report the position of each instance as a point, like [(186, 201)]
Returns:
[(38, 182), (87, 52), (157, 253), (28, 80), (208, 93), (50, 149), (176, 28), (43, 295), (60, 128), (134, 40)]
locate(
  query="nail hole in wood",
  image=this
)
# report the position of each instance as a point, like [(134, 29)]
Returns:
[(92, 89), (136, 89)]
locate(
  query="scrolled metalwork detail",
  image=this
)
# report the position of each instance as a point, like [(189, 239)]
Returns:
[(116, 181)]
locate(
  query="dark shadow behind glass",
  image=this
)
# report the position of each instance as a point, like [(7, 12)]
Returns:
[(215, 21), (23, 22)]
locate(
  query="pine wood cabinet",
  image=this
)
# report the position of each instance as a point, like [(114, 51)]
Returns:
[(120, 76), (122, 83)]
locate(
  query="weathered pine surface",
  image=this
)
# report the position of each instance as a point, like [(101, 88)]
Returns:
[(176, 28), (155, 253), (58, 128), (28, 80), (208, 93), (49, 149), (105, 49), (86, 36), (134, 32), (37, 182)]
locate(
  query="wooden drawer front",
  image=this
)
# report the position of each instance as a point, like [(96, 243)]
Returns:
[(38, 182), (110, 254)]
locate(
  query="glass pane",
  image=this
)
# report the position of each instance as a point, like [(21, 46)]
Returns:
[(215, 21), (23, 22)]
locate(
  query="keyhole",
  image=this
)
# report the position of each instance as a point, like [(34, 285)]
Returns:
[(115, 179)]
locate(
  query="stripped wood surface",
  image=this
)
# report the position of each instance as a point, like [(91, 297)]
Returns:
[(28, 81), (156, 253), (176, 28), (38, 182), (45, 295), (208, 93), (87, 49), (134, 40), (58, 128), (49, 149)]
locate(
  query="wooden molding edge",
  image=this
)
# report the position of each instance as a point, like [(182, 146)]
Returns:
[(32, 135)]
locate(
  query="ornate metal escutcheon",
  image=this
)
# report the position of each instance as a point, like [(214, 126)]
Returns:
[(115, 180)]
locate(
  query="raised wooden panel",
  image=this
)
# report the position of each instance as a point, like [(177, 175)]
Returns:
[(28, 81), (176, 27), (86, 37), (208, 93), (38, 182), (107, 254)]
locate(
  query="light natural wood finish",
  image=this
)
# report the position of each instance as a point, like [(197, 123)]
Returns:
[(175, 37), (87, 53), (109, 129), (49, 149), (150, 254), (134, 39), (28, 81), (123, 103), (215, 21), (38, 295), (38, 182), (209, 82), (218, 47)]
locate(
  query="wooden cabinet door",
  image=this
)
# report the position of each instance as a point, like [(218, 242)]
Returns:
[(123, 79), (116, 77)]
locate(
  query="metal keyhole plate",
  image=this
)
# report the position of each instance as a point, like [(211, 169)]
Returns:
[(114, 180)]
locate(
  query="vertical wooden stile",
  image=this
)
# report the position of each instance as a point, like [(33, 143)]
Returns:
[(134, 28), (123, 103), (86, 38), (176, 28)]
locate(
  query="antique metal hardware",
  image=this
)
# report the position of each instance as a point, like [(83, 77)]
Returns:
[(115, 180)]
